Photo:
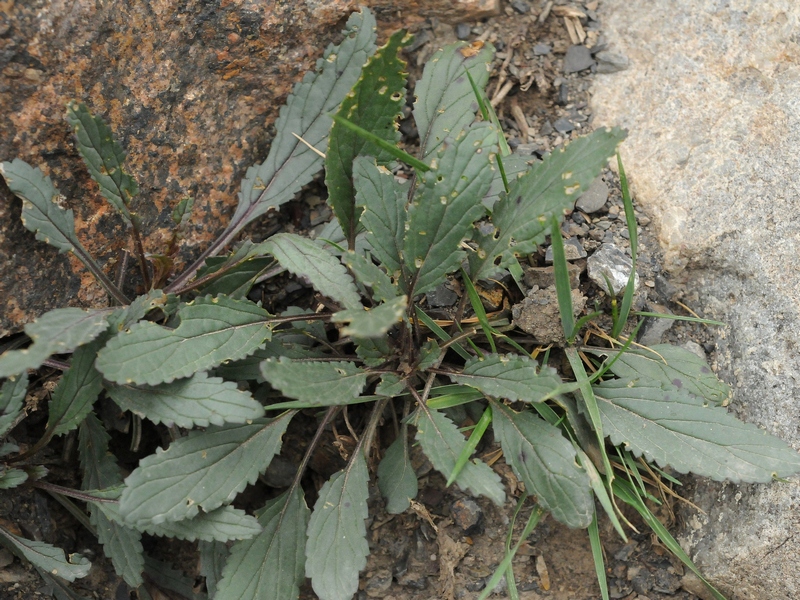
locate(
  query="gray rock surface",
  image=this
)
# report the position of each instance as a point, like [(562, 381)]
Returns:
[(711, 103), (577, 59)]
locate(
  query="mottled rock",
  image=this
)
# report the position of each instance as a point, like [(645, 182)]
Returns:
[(573, 250), (612, 264), (538, 314), (468, 515), (611, 62), (544, 277)]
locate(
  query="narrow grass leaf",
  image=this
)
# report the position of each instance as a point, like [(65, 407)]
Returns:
[(597, 555), (396, 478), (198, 401), (12, 396), (306, 258), (76, 391), (672, 427), (103, 156), (205, 469), (337, 547), (48, 557), (475, 438), (544, 460), (633, 235), (373, 322), (211, 331), (509, 376), (375, 104), (440, 333), (563, 289), (480, 311), (317, 383), (442, 443), (272, 564)]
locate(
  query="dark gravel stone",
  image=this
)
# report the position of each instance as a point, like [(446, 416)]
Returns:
[(520, 6), (563, 125), (577, 59), (594, 198), (462, 31), (379, 584), (441, 296), (563, 95), (467, 515)]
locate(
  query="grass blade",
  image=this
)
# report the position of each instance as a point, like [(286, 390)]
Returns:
[(472, 443), (563, 290)]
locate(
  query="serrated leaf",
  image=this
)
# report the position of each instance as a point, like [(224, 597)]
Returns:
[(205, 469), (60, 588), (429, 355), (375, 104), (515, 166), (48, 557), (103, 156), (290, 163), (396, 478), (212, 330), (672, 365), (373, 322), (511, 376), (675, 428), (317, 383), (383, 202), (390, 386), (11, 478), (40, 213), (213, 556), (545, 461), (198, 401), (136, 311), (337, 548), (371, 275), (281, 344), (442, 443), (7, 448), (445, 102), (447, 203), (100, 470), (12, 396), (522, 218), (168, 578), (77, 390), (237, 281), (272, 564), (59, 331), (306, 258)]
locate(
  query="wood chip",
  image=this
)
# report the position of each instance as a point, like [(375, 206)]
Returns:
[(569, 11), (546, 12), (541, 570), (522, 124)]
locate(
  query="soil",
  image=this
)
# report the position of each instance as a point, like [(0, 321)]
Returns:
[(449, 545)]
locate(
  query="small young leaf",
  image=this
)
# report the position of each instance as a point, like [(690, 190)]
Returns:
[(138, 309), (390, 386), (77, 391), (396, 478), (521, 218), (11, 478), (212, 330), (374, 322), (237, 280), (205, 469), (213, 556), (383, 201), (103, 156), (371, 275), (198, 401), (375, 104), (672, 365), (57, 332), (272, 564), (544, 460), (12, 395), (513, 377), (48, 557), (337, 547), (429, 355), (183, 211), (445, 102), (306, 258), (671, 426), (443, 442), (446, 205), (318, 383)]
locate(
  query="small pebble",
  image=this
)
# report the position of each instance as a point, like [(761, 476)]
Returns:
[(563, 125), (462, 31), (594, 198), (542, 49), (467, 515), (577, 59), (573, 250), (521, 6), (611, 62)]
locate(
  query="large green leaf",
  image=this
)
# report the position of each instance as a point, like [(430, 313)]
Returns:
[(337, 547), (396, 478), (59, 331), (100, 470), (77, 390), (12, 396), (544, 460), (371, 275), (511, 376), (213, 556), (167, 578), (212, 330), (515, 166), (198, 401), (317, 383), (308, 259), (103, 156), (443, 443), (673, 365), (522, 218), (205, 469), (48, 557), (675, 428), (446, 103), (446, 205), (383, 201), (373, 322), (375, 104), (272, 564)]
